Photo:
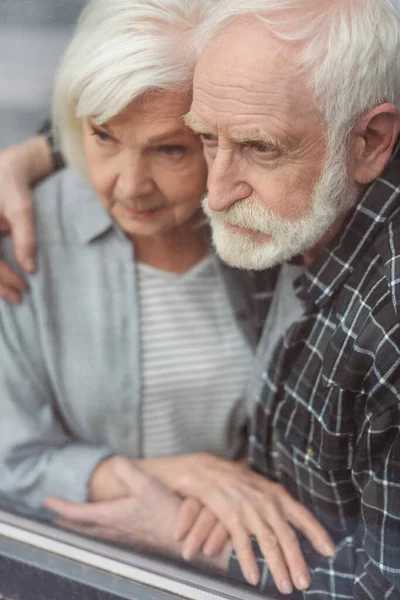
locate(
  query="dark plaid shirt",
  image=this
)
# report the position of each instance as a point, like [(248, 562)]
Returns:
[(327, 421)]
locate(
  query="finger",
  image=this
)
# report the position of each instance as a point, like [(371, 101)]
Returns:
[(216, 540), (244, 551), (4, 226), (199, 533), (86, 512), (304, 521), (228, 514), (9, 279), (23, 233), (189, 512), (271, 550), (293, 555), (11, 295)]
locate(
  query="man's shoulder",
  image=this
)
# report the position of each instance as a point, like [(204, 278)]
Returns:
[(386, 245)]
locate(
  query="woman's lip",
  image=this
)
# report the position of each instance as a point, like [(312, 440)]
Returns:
[(142, 214)]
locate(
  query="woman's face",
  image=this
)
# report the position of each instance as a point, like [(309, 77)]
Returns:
[(146, 165)]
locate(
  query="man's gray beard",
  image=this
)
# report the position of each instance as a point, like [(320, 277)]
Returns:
[(333, 196)]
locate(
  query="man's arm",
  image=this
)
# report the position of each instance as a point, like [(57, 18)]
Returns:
[(377, 471), (21, 167)]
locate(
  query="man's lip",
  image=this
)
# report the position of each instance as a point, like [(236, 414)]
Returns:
[(255, 235)]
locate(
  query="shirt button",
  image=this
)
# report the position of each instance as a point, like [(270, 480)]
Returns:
[(310, 452)]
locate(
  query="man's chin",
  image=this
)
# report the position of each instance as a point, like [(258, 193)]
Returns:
[(242, 252)]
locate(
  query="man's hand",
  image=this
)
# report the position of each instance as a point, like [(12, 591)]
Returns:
[(21, 167), (248, 504)]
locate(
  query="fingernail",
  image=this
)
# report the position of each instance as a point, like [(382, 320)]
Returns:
[(254, 577), (187, 553), (303, 582), (286, 587), (329, 550)]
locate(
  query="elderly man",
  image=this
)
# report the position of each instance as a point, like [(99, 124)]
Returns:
[(297, 103), (298, 106)]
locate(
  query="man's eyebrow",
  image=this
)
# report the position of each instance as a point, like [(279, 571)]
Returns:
[(257, 135), (195, 124)]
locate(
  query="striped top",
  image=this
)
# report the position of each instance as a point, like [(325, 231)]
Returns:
[(195, 361)]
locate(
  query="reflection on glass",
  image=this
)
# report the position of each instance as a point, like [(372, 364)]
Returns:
[(123, 394)]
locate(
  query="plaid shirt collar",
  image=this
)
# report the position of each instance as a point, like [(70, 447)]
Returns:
[(320, 282)]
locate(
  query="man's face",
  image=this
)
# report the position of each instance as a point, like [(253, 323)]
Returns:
[(269, 182)]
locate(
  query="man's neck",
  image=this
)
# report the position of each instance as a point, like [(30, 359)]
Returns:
[(310, 256)]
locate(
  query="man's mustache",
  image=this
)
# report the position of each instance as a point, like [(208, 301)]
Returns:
[(245, 214)]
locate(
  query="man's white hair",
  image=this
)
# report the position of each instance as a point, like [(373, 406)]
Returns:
[(349, 49), (120, 50)]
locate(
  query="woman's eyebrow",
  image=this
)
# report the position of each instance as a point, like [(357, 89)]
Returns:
[(164, 137)]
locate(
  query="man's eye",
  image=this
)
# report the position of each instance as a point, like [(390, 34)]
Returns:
[(104, 137), (260, 147), (172, 150), (209, 139)]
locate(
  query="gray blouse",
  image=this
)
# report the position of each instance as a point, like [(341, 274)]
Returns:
[(70, 385)]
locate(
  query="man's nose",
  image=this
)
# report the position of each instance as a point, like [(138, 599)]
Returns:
[(225, 182), (135, 179)]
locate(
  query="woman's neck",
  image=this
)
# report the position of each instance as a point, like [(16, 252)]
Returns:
[(175, 251)]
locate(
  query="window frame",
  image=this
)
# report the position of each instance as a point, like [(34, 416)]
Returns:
[(56, 560)]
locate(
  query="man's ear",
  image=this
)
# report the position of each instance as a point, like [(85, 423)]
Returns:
[(374, 137)]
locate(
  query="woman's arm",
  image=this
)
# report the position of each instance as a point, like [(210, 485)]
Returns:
[(38, 455)]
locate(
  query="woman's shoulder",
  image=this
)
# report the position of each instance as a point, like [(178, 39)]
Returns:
[(63, 204)]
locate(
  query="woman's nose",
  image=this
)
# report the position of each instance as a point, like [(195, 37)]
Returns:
[(135, 180)]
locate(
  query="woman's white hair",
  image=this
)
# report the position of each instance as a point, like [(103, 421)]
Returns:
[(349, 50), (120, 50)]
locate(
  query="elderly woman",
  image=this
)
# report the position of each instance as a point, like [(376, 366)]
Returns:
[(133, 339)]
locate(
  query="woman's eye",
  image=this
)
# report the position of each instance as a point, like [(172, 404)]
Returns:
[(172, 150), (104, 137)]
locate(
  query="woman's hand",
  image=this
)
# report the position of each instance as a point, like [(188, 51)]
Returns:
[(199, 529), (21, 166), (248, 504)]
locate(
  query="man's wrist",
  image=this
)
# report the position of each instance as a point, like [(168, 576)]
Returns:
[(57, 160), (33, 158)]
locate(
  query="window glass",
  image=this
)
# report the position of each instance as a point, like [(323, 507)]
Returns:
[(80, 386)]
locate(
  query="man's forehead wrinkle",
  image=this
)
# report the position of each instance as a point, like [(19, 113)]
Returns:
[(255, 87), (240, 107)]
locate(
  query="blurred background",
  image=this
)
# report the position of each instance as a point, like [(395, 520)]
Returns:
[(33, 36)]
